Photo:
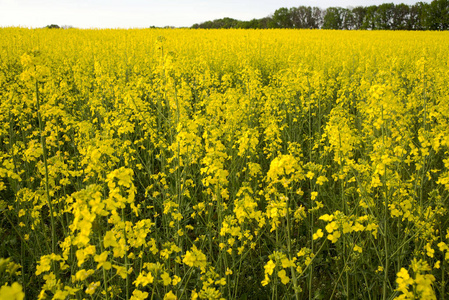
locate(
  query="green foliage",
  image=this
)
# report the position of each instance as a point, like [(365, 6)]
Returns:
[(281, 19), (387, 16), (52, 26), (332, 19), (439, 15)]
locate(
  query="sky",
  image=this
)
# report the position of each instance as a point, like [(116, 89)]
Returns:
[(142, 14)]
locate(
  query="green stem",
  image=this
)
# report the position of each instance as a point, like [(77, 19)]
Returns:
[(384, 289), (20, 236), (185, 284), (289, 249), (126, 255), (47, 190), (104, 276)]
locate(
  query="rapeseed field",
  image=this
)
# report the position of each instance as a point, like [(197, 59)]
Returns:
[(224, 164)]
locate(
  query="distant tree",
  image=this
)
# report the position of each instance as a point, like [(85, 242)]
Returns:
[(369, 22), (206, 25), (306, 15), (439, 15), (218, 23), (52, 26), (418, 16), (333, 18), (301, 17), (317, 19), (295, 18), (358, 15), (254, 23), (281, 19), (229, 23), (384, 16), (401, 15), (264, 22), (348, 21), (413, 17), (387, 16)]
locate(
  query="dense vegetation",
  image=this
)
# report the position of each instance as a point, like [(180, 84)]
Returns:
[(236, 164), (388, 16)]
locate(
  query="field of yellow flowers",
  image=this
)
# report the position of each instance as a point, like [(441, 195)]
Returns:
[(235, 164)]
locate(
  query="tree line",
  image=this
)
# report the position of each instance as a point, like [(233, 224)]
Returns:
[(387, 16)]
